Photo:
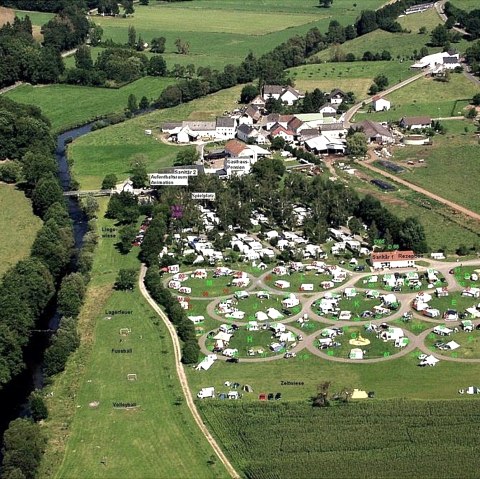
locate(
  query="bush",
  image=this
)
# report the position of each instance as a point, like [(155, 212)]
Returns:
[(38, 407), (10, 172)]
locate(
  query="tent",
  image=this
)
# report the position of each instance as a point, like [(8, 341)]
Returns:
[(207, 362), (287, 337), (223, 336), (274, 313), (196, 319), (452, 345), (356, 353), (247, 388), (261, 316), (429, 361)]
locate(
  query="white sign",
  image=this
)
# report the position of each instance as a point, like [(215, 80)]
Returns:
[(168, 179), (186, 171), (203, 196), (238, 164)]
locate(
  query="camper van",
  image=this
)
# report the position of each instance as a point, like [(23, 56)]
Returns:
[(206, 393)]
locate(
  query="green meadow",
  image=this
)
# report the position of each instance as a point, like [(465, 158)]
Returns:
[(18, 226), (67, 105), (112, 149), (156, 438)]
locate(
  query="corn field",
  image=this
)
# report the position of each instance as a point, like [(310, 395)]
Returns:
[(387, 439)]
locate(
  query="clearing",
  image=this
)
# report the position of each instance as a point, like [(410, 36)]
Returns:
[(18, 226), (80, 104)]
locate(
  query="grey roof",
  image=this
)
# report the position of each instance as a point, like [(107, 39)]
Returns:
[(225, 122), (273, 89), (373, 129), (200, 125), (336, 92), (244, 128), (332, 127), (171, 125), (449, 59), (416, 120), (331, 105), (309, 133)]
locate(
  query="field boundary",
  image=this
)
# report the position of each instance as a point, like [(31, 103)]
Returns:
[(183, 378)]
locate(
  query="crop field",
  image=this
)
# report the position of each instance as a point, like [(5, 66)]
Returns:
[(400, 45), (233, 28), (396, 439), (18, 226), (157, 437), (427, 97), (80, 104), (452, 165), (111, 149)]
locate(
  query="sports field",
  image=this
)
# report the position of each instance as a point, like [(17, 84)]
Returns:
[(155, 438), (67, 105), (348, 76), (111, 150), (18, 226)]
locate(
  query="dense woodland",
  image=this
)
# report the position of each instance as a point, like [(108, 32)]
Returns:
[(470, 21)]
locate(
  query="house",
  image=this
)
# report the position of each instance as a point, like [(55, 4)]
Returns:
[(246, 132), (279, 130), (250, 115), (295, 125), (336, 96), (415, 122), (258, 102), (272, 91), (272, 119), (375, 132), (380, 104), (392, 259), (333, 130), (128, 187), (329, 109), (290, 95), (225, 127), (238, 149)]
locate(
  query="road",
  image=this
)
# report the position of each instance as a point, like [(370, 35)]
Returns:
[(351, 112), (183, 378), (439, 9), (423, 191)]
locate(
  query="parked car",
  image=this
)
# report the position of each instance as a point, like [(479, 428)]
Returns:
[(286, 312), (278, 396), (270, 396), (232, 360), (359, 268)]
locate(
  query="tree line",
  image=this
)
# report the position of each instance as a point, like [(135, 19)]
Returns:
[(470, 21)]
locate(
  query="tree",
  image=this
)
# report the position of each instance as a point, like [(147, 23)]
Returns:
[(325, 3), (90, 206), (71, 295), (110, 181), (128, 7), (10, 171), (366, 23), (157, 66), (422, 30), (357, 144), (140, 45), (83, 58), (126, 279), (350, 32), (126, 235), (132, 36), (440, 36), (182, 47), (322, 397), (38, 407), (46, 193), (132, 105), (187, 156), (95, 33), (190, 352), (138, 170), (157, 45), (381, 81), (123, 207), (249, 92), (476, 99), (144, 103)]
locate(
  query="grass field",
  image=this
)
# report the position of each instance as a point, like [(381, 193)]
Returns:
[(427, 97), (68, 105), (233, 28), (442, 227), (348, 76), (37, 18), (369, 438), (18, 226), (469, 344), (452, 165), (466, 5), (111, 150), (158, 438)]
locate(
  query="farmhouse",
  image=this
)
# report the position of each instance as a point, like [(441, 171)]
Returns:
[(287, 94), (438, 62), (415, 122), (393, 259), (329, 109), (375, 132), (278, 130), (336, 96), (380, 104)]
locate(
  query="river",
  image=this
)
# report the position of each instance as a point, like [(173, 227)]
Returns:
[(14, 397)]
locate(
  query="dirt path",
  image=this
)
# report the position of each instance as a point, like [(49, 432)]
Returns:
[(423, 191), (183, 378)]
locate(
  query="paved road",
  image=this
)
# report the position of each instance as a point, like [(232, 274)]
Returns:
[(183, 378), (419, 189)]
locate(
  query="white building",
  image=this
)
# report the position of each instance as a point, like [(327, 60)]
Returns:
[(380, 104), (393, 259)]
